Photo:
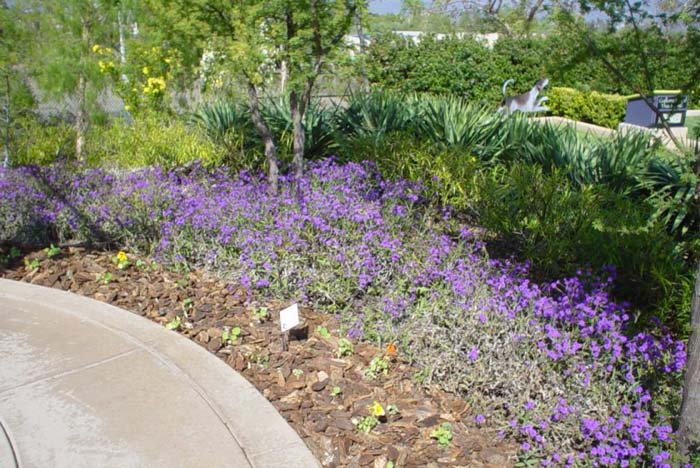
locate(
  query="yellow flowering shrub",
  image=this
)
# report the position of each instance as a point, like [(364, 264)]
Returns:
[(151, 140), (142, 81)]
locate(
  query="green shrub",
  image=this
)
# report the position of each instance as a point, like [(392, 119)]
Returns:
[(446, 172), (449, 66), (606, 110), (37, 142), (151, 140), (560, 228)]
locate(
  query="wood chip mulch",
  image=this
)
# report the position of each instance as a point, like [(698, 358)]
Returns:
[(321, 395)]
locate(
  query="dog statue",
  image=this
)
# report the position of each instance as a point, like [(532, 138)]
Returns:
[(526, 102)]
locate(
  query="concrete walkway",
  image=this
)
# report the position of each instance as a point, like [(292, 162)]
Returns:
[(85, 384)]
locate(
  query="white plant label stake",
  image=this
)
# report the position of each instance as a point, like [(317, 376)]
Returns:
[(289, 318)]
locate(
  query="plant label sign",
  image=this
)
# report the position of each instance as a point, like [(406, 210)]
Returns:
[(289, 317)]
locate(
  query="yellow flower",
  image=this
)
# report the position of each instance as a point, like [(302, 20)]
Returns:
[(127, 107), (121, 257), (145, 70), (167, 60), (376, 409), (154, 85), (96, 48)]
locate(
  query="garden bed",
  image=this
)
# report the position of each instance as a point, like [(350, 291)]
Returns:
[(321, 395)]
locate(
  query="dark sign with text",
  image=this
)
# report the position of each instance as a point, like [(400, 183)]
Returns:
[(671, 105)]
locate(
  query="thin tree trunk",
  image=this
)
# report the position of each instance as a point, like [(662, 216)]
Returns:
[(689, 427), (122, 43), (283, 76), (298, 130), (81, 119), (363, 48), (533, 11), (81, 113), (6, 151), (266, 136)]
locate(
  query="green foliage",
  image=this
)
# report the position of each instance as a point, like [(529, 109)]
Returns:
[(37, 142), (593, 107), (32, 264), (229, 124), (560, 227), (231, 336), (174, 324), (373, 116), (562, 200), (468, 69), (443, 434), (142, 80), (367, 423), (152, 140), (455, 66), (345, 347), (317, 123), (52, 251), (378, 365)]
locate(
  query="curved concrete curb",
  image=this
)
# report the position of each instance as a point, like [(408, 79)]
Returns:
[(86, 384)]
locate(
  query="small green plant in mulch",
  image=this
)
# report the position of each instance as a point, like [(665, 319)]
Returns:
[(378, 365), (377, 415), (105, 278), (32, 264), (336, 391), (121, 260), (5, 259), (345, 347), (230, 336), (261, 314), (187, 305), (52, 251), (174, 324), (367, 423), (298, 373), (443, 434), (323, 332)]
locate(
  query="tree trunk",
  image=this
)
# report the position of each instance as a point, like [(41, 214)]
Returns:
[(689, 427), (81, 113), (122, 43), (6, 151), (266, 136), (81, 119), (363, 48), (297, 110), (283, 76)]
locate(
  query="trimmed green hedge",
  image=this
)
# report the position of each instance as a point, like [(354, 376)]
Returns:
[(606, 110)]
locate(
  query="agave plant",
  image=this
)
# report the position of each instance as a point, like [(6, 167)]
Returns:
[(318, 123), (220, 117), (455, 122), (376, 115), (671, 185)]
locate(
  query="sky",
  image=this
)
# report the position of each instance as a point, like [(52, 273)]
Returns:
[(385, 6)]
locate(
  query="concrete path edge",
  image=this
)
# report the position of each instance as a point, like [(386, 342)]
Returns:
[(265, 437)]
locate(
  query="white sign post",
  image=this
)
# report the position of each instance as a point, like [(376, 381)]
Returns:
[(289, 318)]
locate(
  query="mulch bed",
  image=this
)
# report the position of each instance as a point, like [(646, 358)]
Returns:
[(301, 382)]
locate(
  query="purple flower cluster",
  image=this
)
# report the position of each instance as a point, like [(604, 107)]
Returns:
[(370, 250)]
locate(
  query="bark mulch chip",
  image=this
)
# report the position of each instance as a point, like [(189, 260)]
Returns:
[(322, 396)]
